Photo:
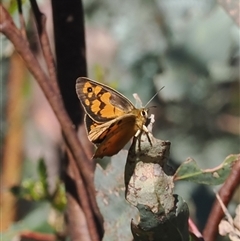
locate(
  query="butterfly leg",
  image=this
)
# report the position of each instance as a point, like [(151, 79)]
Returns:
[(137, 133), (139, 139), (145, 129), (147, 134)]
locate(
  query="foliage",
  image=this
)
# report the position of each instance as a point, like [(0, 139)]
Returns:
[(36, 220), (32, 190), (191, 172), (190, 48), (47, 214)]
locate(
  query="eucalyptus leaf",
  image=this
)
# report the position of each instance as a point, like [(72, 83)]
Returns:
[(190, 171)]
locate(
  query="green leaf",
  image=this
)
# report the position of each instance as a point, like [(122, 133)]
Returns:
[(190, 171), (42, 172), (58, 200), (29, 190), (34, 190)]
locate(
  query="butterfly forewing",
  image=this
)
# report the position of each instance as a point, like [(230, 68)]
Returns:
[(101, 102)]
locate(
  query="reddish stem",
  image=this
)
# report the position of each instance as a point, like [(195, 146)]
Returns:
[(8, 28), (226, 192)]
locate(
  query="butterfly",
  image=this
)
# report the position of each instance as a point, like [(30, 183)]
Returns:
[(111, 119)]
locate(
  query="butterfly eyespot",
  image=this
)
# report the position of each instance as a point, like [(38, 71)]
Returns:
[(89, 89)]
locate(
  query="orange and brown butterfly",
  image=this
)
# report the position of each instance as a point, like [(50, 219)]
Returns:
[(111, 119)]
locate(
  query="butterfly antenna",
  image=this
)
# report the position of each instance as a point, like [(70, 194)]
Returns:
[(153, 96), (153, 106)]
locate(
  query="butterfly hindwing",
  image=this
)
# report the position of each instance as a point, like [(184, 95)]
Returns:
[(116, 136), (95, 130)]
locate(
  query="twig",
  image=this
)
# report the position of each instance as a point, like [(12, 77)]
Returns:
[(194, 230), (21, 19), (8, 28), (226, 192), (41, 27), (227, 214), (84, 202), (44, 41), (37, 236)]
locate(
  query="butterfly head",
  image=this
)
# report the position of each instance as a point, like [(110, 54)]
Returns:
[(141, 117), (144, 112)]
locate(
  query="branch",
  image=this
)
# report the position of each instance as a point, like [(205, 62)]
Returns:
[(28, 235), (45, 44), (194, 230), (8, 28), (226, 192), (44, 41), (21, 19), (83, 198)]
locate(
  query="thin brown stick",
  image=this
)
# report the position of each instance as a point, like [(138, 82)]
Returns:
[(77, 229), (226, 192), (8, 28), (194, 230), (28, 235), (84, 202), (45, 44), (41, 26), (44, 41), (21, 19)]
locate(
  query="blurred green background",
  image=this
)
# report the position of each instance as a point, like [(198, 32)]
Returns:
[(190, 47)]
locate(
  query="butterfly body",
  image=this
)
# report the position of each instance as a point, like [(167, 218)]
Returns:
[(111, 119)]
